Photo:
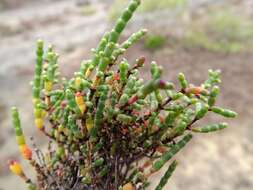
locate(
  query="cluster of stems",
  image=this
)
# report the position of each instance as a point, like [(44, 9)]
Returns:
[(107, 128)]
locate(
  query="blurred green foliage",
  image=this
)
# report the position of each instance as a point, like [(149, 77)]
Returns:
[(217, 29), (151, 5), (221, 31), (231, 25), (116, 8), (87, 10), (202, 40), (154, 41), (146, 6)]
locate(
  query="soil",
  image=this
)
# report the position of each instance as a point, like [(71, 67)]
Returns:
[(221, 161)]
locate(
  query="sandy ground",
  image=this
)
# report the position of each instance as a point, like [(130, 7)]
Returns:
[(221, 161)]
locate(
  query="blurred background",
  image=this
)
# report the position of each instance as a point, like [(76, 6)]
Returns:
[(191, 36)]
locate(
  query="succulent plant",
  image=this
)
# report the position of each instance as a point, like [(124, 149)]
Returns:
[(107, 128)]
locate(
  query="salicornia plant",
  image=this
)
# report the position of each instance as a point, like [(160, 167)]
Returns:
[(107, 128)]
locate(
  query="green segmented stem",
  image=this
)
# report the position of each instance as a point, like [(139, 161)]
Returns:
[(52, 66), (210, 128), (180, 128), (188, 116), (66, 115), (99, 145), (31, 186), (17, 126), (113, 98), (158, 96), (177, 130), (60, 151), (115, 33), (58, 100), (142, 102), (98, 162), (182, 81), (224, 112), (166, 176), (16, 121), (101, 47), (170, 118), (105, 58), (86, 180), (213, 78), (174, 95), (136, 106), (133, 38), (123, 70), (122, 21), (103, 172), (175, 108), (38, 70), (213, 94), (151, 86), (147, 143), (55, 93), (123, 99), (99, 113), (156, 74), (72, 125), (152, 119), (84, 85), (102, 44), (71, 101), (201, 110), (155, 70), (129, 42), (169, 154), (91, 64), (124, 118), (56, 113), (84, 66), (131, 82)]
